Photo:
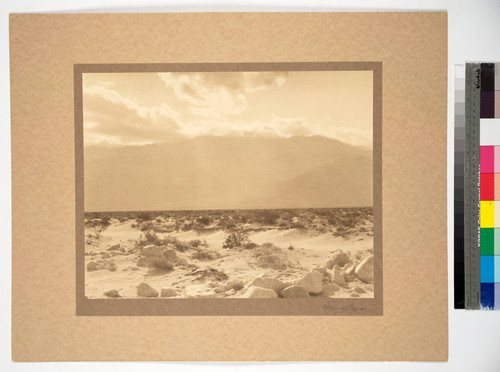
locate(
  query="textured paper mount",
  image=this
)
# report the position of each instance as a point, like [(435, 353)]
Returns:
[(413, 52)]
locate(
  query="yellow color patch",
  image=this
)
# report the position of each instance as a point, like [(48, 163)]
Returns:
[(487, 214)]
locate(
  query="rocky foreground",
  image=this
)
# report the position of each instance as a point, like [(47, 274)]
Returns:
[(194, 270)]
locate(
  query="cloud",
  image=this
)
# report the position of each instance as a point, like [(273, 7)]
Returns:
[(111, 118), (219, 94)]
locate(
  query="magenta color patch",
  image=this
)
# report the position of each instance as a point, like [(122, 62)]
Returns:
[(487, 159)]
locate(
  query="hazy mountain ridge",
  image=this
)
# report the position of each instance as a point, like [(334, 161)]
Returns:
[(228, 172)]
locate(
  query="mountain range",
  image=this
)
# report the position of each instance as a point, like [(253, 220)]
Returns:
[(228, 173)]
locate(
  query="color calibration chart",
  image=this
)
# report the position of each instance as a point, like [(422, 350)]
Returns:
[(477, 186)]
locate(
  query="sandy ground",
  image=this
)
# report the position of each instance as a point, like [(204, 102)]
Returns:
[(311, 249)]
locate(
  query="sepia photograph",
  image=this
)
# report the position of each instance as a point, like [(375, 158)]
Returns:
[(228, 184)]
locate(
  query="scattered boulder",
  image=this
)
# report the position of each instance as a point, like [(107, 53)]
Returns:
[(321, 270), (181, 262), (359, 290), (115, 247), (259, 292), (170, 255), (269, 283), (274, 261), (354, 294), (168, 292), (329, 289), (337, 276), (144, 262), (313, 281), (145, 290), (337, 258), (231, 292), (233, 284), (349, 273), (92, 266), (105, 255), (152, 251), (113, 293), (364, 271), (295, 291)]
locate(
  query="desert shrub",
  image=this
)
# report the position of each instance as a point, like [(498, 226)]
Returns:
[(204, 220), (144, 216), (97, 225), (235, 239), (161, 263), (267, 249), (195, 242), (204, 255), (149, 237), (146, 226)]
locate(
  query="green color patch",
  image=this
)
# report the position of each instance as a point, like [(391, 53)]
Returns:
[(488, 241)]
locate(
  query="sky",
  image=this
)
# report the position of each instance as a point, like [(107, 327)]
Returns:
[(145, 108)]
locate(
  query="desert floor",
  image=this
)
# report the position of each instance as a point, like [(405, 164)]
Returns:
[(121, 257)]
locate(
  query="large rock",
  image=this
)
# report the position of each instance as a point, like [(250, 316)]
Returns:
[(313, 281), (329, 289), (152, 251), (295, 291), (337, 258), (259, 292), (233, 284), (364, 271), (181, 262), (145, 290), (144, 261), (269, 283), (274, 261), (337, 276), (168, 292), (170, 255), (115, 247)]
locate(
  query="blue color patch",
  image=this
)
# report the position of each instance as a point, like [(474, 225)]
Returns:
[(487, 295)]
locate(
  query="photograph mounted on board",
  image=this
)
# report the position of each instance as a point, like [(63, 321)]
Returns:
[(229, 182)]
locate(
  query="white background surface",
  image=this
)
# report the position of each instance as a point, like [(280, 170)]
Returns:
[(474, 35)]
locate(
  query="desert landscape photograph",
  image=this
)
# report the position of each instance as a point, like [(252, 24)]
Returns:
[(230, 184)]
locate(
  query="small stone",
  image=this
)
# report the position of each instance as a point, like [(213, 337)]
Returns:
[(329, 289), (337, 258), (112, 293), (168, 292), (364, 271), (258, 292), (145, 290), (231, 292), (337, 276), (218, 290), (170, 255), (359, 290), (181, 262), (295, 291), (92, 266), (115, 247), (313, 281), (105, 255), (233, 284), (354, 294), (269, 283), (152, 251)]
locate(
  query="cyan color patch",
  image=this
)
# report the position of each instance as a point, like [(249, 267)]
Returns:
[(487, 269)]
